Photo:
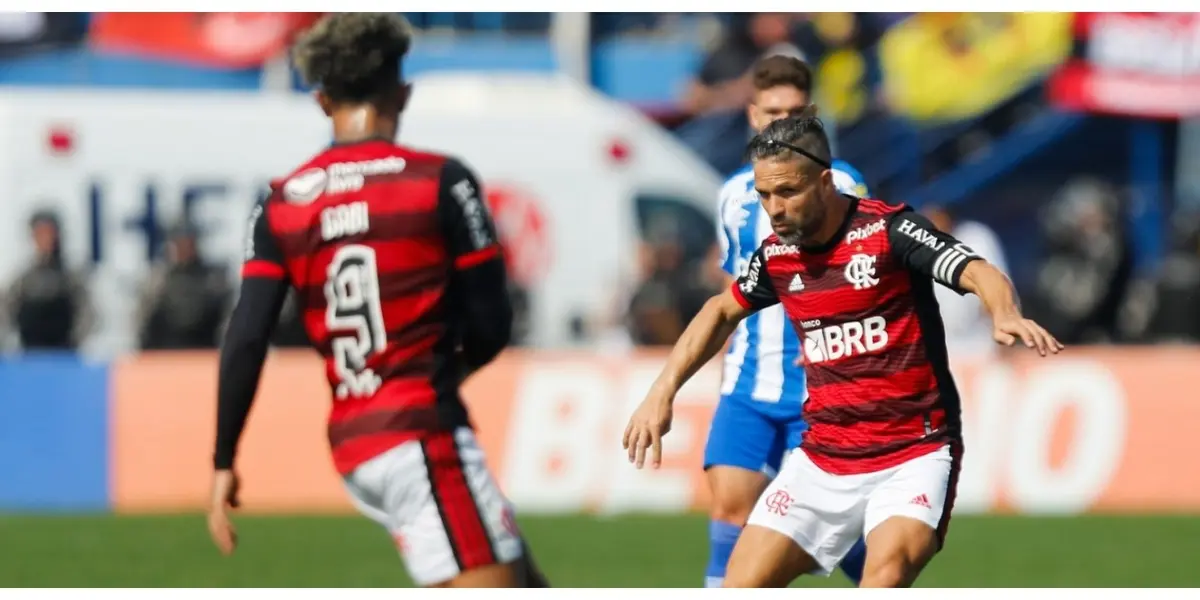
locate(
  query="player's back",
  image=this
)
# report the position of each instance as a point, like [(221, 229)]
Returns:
[(371, 252)]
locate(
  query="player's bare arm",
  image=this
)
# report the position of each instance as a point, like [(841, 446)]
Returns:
[(243, 352), (703, 338), (937, 254), (999, 298)]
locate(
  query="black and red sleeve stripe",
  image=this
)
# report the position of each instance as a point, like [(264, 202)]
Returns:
[(264, 258)]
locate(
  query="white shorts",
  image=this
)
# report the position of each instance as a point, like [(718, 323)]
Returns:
[(441, 505), (826, 513)]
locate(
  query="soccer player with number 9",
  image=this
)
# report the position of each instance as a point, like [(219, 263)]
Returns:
[(396, 267)]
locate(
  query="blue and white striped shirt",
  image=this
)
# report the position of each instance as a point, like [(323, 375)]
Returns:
[(761, 361)]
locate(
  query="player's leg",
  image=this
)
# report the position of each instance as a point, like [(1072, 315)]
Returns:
[(907, 518), (451, 523), (852, 565), (766, 558), (476, 517), (805, 522), (739, 446), (531, 575)]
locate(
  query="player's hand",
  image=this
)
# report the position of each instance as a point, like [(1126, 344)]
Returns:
[(1007, 330), (224, 497), (649, 423)]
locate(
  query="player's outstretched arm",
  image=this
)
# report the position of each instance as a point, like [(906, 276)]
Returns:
[(996, 293), (700, 342), (922, 248)]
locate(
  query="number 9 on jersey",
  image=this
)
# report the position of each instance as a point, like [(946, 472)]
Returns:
[(354, 318)]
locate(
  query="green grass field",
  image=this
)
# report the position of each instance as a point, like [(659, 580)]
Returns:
[(641, 551)]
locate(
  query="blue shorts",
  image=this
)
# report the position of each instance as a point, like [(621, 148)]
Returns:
[(746, 436)]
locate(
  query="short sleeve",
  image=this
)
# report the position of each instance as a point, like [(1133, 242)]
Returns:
[(470, 232), (921, 248), (753, 289), (263, 257)]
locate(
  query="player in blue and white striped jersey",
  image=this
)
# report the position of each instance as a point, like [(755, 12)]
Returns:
[(758, 418)]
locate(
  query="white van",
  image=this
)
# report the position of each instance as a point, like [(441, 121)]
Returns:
[(571, 169)]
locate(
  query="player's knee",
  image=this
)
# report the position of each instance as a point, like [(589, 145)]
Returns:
[(733, 511), (737, 582), (894, 572), (732, 503), (741, 575)]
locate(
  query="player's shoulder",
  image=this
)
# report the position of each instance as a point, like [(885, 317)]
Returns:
[(848, 179), (302, 184), (772, 239), (337, 164), (874, 207), (738, 183), (845, 167)]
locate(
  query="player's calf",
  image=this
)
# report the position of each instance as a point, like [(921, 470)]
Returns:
[(734, 492), (490, 576), (897, 551)]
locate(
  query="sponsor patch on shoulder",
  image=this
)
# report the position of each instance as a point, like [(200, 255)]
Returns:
[(305, 186)]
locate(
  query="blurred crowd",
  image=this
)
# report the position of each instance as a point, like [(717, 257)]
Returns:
[(183, 303), (938, 89), (1086, 290)]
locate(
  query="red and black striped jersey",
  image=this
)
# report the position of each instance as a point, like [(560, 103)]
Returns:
[(394, 260), (874, 350)]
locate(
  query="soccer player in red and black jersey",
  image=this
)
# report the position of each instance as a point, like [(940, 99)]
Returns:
[(396, 268), (881, 457)]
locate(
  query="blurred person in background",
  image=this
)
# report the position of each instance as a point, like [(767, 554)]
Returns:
[(946, 66), (1088, 265), (23, 33), (522, 306), (1176, 316), (671, 291), (839, 45), (717, 98), (723, 83), (968, 326), (758, 416), (185, 298), (48, 305), (404, 291)]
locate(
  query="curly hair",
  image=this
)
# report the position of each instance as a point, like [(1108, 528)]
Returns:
[(353, 56)]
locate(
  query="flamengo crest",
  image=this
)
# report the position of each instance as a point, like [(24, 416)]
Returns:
[(860, 271)]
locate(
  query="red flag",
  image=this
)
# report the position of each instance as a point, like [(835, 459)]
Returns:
[(227, 40)]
